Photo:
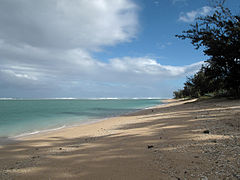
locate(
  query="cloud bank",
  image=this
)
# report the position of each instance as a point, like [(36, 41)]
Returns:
[(46, 51)]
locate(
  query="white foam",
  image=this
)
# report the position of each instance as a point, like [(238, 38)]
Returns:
[(6, 98), (110, 98), (37, 132), (64, 98)]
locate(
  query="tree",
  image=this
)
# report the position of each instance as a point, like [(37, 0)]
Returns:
[(219, 34)]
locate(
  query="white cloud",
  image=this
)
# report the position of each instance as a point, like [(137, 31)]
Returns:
[(163, 45), (178, 1), (19, 75), (76, 70), (75, 65), (156, 3), (68, 24), (150, 67), (192, 15), (46, 50), (41, 72)]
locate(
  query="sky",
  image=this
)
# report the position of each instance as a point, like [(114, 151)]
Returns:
[(98, 48)]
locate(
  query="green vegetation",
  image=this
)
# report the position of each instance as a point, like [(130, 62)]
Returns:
[(219, 35)]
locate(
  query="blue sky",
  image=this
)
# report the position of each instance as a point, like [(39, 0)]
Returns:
[(159, 23), (98, 48)]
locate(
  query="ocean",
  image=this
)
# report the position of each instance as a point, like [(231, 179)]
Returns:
[(24, 117)]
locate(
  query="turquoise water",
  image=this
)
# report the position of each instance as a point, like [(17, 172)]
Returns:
[(23, 117)]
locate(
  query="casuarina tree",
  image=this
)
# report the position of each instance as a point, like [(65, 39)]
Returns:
[(219, 35)]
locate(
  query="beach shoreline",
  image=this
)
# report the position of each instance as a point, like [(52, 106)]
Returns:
[(189, 139), (45, 133), (21, 137), (38, 132), (165, 102)]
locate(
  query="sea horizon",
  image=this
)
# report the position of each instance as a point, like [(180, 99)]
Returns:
[(72, 98)]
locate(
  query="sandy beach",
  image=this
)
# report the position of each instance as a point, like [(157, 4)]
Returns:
[(190, 139)]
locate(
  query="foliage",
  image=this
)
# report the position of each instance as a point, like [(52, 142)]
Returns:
[(219, 35)]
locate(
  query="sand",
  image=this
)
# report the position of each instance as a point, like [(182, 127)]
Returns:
[(188, 139)]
